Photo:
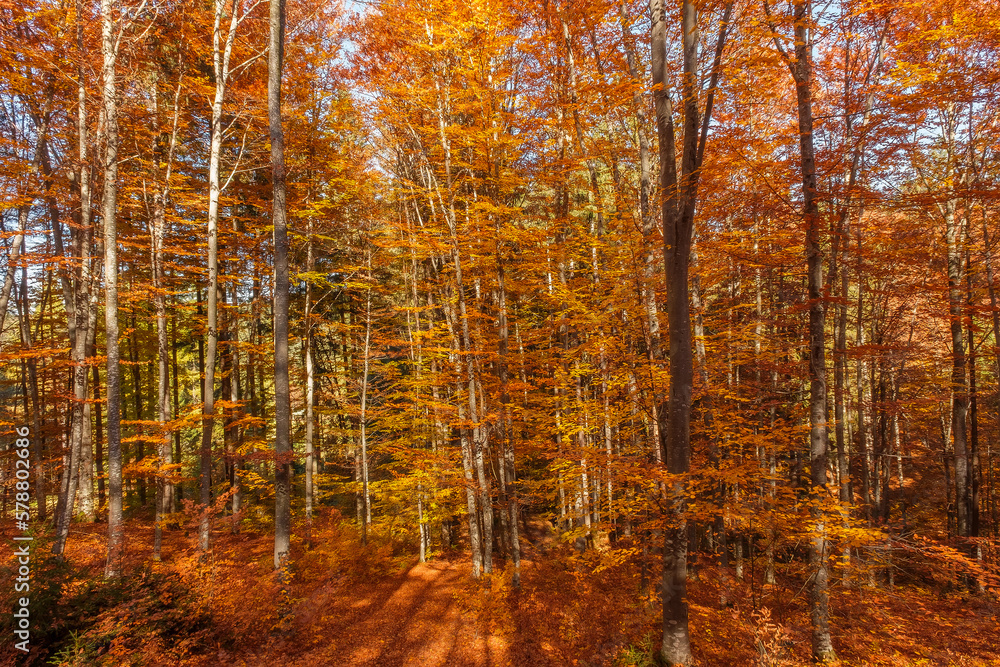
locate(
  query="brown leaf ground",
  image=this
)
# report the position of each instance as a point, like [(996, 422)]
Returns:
[(349, 605)]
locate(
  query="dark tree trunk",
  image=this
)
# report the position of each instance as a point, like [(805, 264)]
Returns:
[(801, 68), (98, 439), (974, 469), (282, 416), (178, 489), (678, 201), (140, 444)]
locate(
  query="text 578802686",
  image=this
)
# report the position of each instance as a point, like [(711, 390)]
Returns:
[(22, 551)]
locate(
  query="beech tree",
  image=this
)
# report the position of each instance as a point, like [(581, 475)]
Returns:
[(282, 407), (800, 66), (679, 196), (109, 96)]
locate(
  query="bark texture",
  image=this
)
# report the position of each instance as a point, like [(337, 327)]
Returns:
[(282, 409)]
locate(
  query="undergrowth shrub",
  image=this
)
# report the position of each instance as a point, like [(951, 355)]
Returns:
[(143, 617), (637, 655), (769, 639), (49, 578)]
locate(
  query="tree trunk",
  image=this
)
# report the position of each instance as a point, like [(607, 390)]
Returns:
[(960, 404), (282, 410), (310, 377), (678, 201), (235, 433), (801, 69), (85, 489), (109, 50), (99, 438), (991, 289), (363, 419), (24, 322), (178, 489), (220, 66), (14, 253), (675, 433), (136, 372), (505, 424), (164, 489), (645, 192), (973, 470), (863, 431), (472, 499)]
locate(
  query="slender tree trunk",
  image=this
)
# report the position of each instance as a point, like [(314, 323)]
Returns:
[(478, 440), (838, 262), (178, 489), (221, 51), (85, 323), (282, 409), (85, 472), (991, 289), (480, 533), (310, 378), (23, 210), (363, 419), (31, 366), (674, 443), (110, 209), (38, 452), (974, 470), (675, 416), (841, 388), (208, 420), (226, 372), (801, 69), (645, 193), (679, 197), (864, 433), (471, 498), (136, 371), (840, 378), (109, 50), (505, 425), (99, 439), (85, 489), (163, 487), (235, 398), (960, 404), (359, 496), (13, 255)]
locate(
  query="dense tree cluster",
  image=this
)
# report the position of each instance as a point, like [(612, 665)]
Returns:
[(686, 276)]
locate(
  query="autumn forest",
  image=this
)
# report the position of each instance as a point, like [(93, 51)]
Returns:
[(500, 333)]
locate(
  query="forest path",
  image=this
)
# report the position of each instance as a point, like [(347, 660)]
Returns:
[(413, 619)]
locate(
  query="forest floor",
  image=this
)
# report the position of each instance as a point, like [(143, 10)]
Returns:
[(351, 605)]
